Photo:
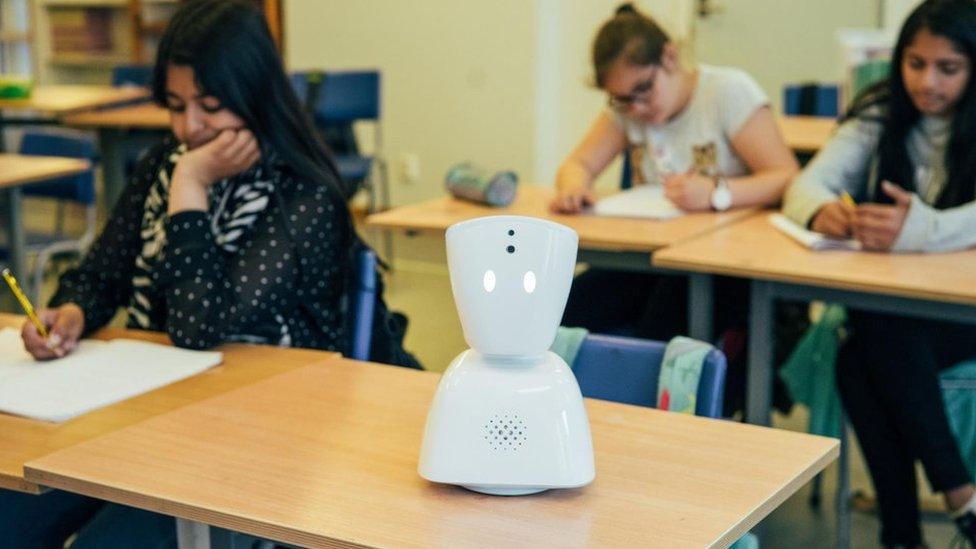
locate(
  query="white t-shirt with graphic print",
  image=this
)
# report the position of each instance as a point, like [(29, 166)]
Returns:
[(723, 100)]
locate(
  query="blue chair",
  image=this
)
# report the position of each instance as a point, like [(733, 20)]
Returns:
[(811, 99), (135, 142), (336, 101), (132, 75), (626, 369), (300, 83), (626, 177), (363, 302), (345, 98), (76, 189)]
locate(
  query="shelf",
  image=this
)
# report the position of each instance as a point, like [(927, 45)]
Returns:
[(14, 37), (89, 59), (86, 4)]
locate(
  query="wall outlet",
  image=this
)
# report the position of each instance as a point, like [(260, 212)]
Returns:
[(409, 168)]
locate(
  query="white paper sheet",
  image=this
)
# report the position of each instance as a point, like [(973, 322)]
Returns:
[(810, 239), (95, 375), (644, 201)]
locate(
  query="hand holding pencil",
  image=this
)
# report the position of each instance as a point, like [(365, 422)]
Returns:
[(836, 218), (64, 324), (51, 333)]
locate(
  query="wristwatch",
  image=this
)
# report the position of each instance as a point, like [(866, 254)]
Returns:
[(721, 198)]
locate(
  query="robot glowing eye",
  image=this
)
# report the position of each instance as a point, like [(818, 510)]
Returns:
[(528, 282), (489, 281)]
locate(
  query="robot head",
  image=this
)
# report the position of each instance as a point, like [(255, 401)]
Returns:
[(510, 276)]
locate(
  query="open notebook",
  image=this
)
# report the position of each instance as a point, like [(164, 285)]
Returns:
[(96, 374), (810, 239), (644, 201)]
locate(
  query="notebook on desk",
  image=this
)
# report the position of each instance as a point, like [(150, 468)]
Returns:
[(814, 241), (644, 201), (96, 374)]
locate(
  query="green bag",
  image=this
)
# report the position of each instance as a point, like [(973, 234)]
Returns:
[(809, 372), (959, 395)]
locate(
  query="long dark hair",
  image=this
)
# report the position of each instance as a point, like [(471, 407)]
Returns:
[(629, 35), (229, 46), (954, 20)]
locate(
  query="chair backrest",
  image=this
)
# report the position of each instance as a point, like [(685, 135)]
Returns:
[(132, 75), (299, 83), (626, 369), (363, 303), (626, 177), (77, 188), (348, 96), (811, 99)]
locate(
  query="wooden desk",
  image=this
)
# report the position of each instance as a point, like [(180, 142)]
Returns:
[(806, 134), (17, 170), (148, 116), (327, 456), (22, 440), (937, 286), (924, 285), (62, 99), (639, 237), (115, 130)]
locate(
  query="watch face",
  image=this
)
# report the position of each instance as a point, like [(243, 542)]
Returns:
[(721, 198)]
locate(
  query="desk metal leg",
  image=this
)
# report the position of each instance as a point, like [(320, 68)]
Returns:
[(700, 307), (192, 535), (843, 502), (759, 380)]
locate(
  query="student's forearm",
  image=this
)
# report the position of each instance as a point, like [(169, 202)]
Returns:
[(760, 189), (573, 174)]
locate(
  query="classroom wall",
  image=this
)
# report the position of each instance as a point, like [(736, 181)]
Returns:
[(781, 41), (457, 77)]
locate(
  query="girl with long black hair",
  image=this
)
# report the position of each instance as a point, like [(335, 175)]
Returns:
[(234, 229), (907, 153), (237, 229)]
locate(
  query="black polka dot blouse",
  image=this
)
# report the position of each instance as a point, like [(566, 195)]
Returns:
[(282, 284)]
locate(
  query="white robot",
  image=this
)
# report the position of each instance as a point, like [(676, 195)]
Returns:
[(508, 416)]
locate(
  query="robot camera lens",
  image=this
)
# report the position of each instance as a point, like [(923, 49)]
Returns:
[(510, 249)]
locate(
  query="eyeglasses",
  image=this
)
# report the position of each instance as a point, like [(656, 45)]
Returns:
[(641, 93)]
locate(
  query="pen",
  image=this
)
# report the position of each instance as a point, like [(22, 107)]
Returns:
[(24, 302)]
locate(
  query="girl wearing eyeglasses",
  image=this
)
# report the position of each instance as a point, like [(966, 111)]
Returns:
[(663, 111), (705, 133)]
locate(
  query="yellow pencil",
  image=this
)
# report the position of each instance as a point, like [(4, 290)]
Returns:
[(848, 199), (24, 302)]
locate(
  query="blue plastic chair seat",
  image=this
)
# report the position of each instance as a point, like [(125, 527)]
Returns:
[(625, 369)]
